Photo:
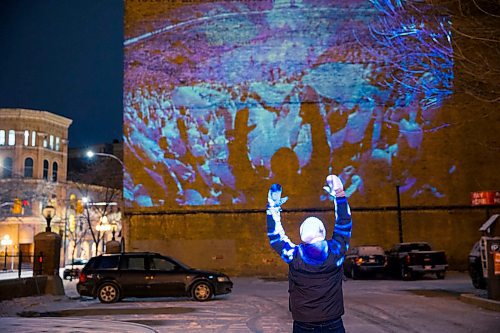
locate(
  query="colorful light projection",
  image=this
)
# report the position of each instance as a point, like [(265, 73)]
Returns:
[(223, 98)]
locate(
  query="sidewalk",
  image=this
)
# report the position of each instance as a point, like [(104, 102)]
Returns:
[(481, 301)]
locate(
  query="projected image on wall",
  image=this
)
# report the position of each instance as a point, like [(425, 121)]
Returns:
[(224, 98)]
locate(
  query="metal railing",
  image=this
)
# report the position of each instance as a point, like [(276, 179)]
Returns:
[(21, 261)]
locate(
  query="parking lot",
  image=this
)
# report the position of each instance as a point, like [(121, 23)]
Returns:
[(261, 305)]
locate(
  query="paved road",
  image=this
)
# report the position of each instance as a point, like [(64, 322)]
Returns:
[(257, 305), (63, 325)]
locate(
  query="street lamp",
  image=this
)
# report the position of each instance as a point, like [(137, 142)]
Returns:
[(6, 241), (91, 154), (114, 226), (48, 212), (103, 226)]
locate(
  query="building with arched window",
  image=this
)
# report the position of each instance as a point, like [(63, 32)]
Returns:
[(28, 138), (26, 161), (34, 173)]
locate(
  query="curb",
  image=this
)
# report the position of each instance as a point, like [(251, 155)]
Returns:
[(485, 303)]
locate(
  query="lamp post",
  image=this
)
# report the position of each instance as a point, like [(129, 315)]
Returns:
[(91, 154), (114, 226), (48, 213), (6, 241), (113, 246), (103, 226)]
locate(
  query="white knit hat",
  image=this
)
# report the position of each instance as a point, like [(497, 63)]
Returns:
[(312, 230)]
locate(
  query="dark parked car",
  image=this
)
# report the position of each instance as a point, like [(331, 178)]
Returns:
[(412, 260), (73, 269), (111, 277), (476, 268), (365, 259)]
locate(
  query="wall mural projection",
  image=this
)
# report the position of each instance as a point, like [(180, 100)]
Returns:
[(223, 98)]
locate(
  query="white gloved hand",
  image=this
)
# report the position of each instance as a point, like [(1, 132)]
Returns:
[(274, 198), (334, 186), (274, 202)]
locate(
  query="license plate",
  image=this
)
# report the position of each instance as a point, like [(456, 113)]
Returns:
[(427, 267), (371, 260)]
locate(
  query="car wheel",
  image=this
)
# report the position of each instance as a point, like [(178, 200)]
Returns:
[(405, 273), (108, 292), (201, 291), (440, 275)]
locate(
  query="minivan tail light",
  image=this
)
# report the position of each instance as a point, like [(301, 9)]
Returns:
[(82, 278)]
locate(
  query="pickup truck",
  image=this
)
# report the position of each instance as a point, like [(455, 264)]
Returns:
[(412, 260), (476, 267)]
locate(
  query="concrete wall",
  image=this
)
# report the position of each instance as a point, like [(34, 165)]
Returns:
[(23, 287), (31, 286), (236, 243)]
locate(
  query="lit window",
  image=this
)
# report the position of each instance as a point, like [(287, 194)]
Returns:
[(54, 172), (2, 137), (12, 137), (26, 137), (51, 142), (33, 138), (28, 167), (45, 169), (57, 142), (45, 142)]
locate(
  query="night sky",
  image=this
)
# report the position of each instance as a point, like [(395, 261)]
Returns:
[(65, 57)]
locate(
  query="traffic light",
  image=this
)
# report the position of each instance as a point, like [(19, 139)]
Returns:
[(17, 207), (79, 207)]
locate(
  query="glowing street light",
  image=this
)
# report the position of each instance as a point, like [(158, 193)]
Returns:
[(6, 241), (91, 154), (48, 212), (104, 225), (114, 227)]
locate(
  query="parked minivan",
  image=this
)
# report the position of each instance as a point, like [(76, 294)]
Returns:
[(112, 277)]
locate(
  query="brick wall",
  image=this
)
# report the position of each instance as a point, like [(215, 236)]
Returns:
[(236, 243)]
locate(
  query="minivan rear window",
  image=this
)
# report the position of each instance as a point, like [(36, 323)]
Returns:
[(133, 263), (108, 262)]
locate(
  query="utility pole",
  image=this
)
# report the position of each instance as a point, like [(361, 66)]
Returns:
[(400, 222)]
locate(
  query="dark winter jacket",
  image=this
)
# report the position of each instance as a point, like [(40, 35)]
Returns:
[(315, 270)]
